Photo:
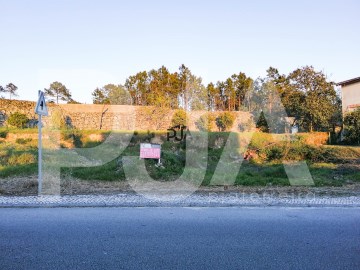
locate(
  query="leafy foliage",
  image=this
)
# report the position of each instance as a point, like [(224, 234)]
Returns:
[(58, 91), (111, 94), (11, 89), (225, 121), (205, 122), (262, 124), (18, 120), (179, 118), (352, 124), (308, 96)]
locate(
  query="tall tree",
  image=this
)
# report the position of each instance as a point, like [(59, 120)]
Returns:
[(138, 87), (11, 89), (229, 94), (100, 96), (292, 98), (320, 102), (242, 85), (192, 93), (118, 95), (111, 94), (212, 97), (2, 90), (58, 91)]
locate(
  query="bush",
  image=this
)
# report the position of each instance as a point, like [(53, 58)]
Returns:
[(225, 121), (22, 159), (204, 123), (73, 135), (18, 120), (57, 120), (179, 118), (23, 141), (261, 124), (3, 134), (352, 124)]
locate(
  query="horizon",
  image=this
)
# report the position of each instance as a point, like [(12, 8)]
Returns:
[(85, 45)]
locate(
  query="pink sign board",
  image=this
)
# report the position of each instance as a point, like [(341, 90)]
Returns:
[(148, 150)]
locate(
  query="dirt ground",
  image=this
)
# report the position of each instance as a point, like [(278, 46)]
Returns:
[(27, 186)]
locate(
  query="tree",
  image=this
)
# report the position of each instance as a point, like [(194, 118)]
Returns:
[(352, 127), (118, 95), (2, 90), (318, 98), (111, 94), (100, 96), (58, 91), (163, 88), (232, 92), (213, 97), (267, 103), (242, 85), (262, 124), (11, 89), (192, 93), (225, 121), (138, 87)]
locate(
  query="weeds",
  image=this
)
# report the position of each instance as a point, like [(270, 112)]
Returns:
[(325, 162)]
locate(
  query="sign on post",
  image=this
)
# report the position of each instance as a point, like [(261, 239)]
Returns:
[(150, 150), (41, 110)]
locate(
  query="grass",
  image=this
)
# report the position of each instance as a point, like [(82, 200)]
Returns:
[(325, 162)]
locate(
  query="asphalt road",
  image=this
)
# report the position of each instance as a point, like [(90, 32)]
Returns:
[(180, 238)]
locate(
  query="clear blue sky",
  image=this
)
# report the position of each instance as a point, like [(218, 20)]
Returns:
[(86, 44)]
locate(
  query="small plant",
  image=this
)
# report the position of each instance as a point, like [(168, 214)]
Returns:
[(23, 141), (225, 121), (22, 159), (180, 118), (205, 122), (261, 124), (3, 134), (18, 120)]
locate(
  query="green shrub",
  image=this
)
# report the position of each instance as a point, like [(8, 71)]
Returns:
[(22, 159), (18, 120), (225, 121), (274, 153), (23, 141), (179, 118), (74, 136), (352, 124), (204, 123), (3, 134), (261, 124)]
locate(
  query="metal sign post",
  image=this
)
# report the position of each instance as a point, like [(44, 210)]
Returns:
[(40, 156), (41, 110)]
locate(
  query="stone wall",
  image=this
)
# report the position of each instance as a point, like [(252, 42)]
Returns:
[(109, 117)]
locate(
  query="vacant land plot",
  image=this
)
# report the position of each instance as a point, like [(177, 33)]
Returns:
[(330, 166)]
